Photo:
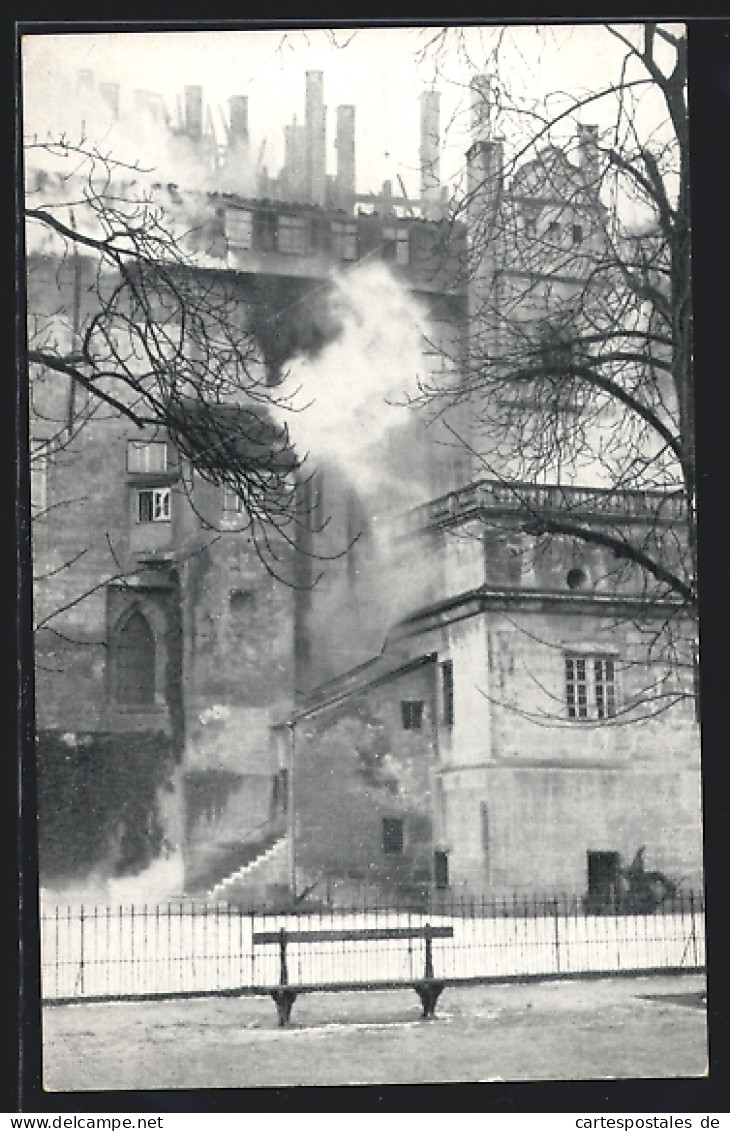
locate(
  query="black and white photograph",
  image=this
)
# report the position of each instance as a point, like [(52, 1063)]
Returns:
[(362, 483)]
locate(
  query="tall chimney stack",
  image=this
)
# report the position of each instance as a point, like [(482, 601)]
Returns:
[(315, 126), (239, 119), (295, 161), (194, 111), (345, 143), (588, 154), (430, 154), (481, 107)]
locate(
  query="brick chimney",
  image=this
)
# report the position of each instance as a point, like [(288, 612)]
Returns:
[(430, 154)]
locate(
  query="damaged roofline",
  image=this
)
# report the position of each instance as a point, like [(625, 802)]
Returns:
[(338, 696)]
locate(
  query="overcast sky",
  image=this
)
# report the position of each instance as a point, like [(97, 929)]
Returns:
[(377, 70)]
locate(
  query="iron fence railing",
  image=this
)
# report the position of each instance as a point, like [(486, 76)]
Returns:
[(188, 949)]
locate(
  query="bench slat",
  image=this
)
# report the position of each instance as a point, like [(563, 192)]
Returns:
[(355, 934)]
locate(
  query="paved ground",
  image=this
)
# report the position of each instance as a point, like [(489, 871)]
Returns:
[(652, 1027)]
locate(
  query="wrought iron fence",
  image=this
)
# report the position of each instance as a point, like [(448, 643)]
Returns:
[(184, 949)]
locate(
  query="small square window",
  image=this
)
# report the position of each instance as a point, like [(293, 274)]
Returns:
[(233, 503), (412, 713), (153, 505), (393, 840)]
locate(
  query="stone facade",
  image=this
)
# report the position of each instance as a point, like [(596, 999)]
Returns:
[(134, 550), (520, 781), (504, 738)]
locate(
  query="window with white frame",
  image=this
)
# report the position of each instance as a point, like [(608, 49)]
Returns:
[(590, 686), (145, 456), (153, 505)]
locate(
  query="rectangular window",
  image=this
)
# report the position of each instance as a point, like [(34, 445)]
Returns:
[(239, 227), (530, 227), (447, 692), (153, 505), (393, 836), (603, 879), (605, 685), (577, 233), (395, 244), (412, 713), (232, 502), (441, 870), (293, 235), (145, 456), (590, 687), (40, 451), (265, 225), (344, 240)]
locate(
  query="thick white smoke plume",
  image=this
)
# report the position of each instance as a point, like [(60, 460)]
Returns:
[(161, 882), (353, 419), (350, 403)]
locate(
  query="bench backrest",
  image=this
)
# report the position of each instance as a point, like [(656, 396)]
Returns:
[(353, 934)]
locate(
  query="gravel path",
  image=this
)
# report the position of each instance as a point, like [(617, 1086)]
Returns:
[(653, 1027)]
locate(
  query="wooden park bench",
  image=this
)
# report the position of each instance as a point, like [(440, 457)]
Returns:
[(284, 994)]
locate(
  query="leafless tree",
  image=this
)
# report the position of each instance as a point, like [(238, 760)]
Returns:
[(128, 318), (578, 368)]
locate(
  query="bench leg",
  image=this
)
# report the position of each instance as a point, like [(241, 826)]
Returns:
[(284, 1000), (429, 994)]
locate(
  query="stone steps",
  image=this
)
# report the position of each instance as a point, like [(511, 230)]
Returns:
[(264, 871)]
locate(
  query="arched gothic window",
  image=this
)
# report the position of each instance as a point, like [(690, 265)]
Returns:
[(134, 662)]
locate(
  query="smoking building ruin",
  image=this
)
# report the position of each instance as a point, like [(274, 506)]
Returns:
[(430, 692)]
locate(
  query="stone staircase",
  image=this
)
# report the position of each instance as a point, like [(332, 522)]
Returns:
[(259, 881)]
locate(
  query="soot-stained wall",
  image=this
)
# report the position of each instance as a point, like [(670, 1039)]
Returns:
[(362, 790)]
